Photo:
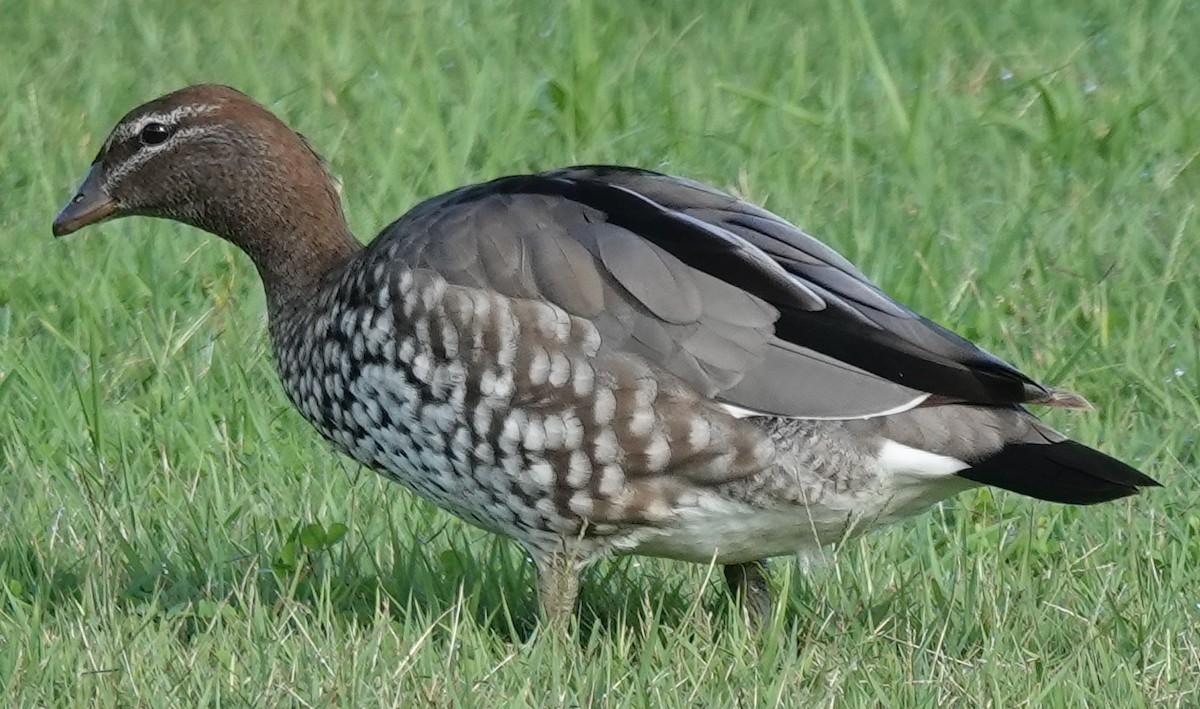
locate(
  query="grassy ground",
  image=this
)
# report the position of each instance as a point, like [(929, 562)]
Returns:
[(171, 534)]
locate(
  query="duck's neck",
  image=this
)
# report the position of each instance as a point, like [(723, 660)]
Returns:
[(297, 238), (299, 257)]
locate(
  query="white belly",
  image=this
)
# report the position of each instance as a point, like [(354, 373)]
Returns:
[(904, 482)]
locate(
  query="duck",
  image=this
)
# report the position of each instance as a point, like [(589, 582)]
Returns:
[(597, 360)]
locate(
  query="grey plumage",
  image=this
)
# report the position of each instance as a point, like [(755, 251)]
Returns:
[(712, 334)]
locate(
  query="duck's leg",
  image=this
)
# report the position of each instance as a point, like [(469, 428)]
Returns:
[(749, 585), (558, 587)]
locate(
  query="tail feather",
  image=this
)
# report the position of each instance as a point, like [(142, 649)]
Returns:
[(1066, 472)]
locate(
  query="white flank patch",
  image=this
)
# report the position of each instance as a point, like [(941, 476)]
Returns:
[(741, 412), (899, 459)]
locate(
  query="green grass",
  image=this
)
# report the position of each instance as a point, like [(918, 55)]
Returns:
[(1025, 172)]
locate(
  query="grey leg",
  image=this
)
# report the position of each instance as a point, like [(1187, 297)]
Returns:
[(748, 583), (558, 588)]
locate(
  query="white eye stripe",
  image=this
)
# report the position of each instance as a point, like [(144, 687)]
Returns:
[(167, 118), (116, 173)]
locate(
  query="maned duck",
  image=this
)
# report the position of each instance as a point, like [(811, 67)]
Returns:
[(597, 360)]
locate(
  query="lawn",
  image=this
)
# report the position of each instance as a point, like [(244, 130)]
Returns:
[(173, 534)]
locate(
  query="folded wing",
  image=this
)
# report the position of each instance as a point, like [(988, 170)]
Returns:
[(743, 306)]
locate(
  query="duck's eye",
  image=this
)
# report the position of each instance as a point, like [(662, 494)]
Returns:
[(154, 133)]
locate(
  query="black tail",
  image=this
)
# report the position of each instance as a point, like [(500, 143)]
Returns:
[(1066, 472)]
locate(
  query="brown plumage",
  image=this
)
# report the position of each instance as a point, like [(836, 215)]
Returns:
[(597, 360)]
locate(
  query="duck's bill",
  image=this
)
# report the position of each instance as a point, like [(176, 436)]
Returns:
[(89, 205)]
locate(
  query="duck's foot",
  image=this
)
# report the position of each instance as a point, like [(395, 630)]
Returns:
[(749, 585)]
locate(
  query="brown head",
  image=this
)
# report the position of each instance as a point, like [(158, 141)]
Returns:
[(211, 157)]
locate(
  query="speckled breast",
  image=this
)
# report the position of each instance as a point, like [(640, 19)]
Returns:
[(415, 379), (505, 412)]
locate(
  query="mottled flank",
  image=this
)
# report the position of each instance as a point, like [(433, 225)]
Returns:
[(509, 413), (598, 360)]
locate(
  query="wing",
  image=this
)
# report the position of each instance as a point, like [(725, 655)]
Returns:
[(740, 304)]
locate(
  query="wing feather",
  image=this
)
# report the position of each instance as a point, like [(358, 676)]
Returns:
[(743, 306)]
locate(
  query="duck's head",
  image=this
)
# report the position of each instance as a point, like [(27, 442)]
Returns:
[(212, 157)]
